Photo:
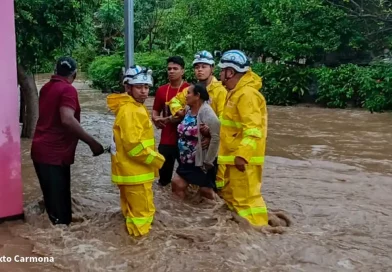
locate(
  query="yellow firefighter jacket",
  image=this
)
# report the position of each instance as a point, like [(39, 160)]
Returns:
[(134, 156), (244, 123), (216, 91)]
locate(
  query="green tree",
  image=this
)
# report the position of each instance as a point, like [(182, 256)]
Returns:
[(110, 23), (372, 17), (290, 29), (44, 30)]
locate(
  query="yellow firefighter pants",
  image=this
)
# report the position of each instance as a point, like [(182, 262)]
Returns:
[(137, 205), (220, 176), (242, 193)]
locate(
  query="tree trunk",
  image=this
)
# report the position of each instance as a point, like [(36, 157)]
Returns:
[(22, 108), (30, 99)]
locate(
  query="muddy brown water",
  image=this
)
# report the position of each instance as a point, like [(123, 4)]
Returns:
[(329, 169)]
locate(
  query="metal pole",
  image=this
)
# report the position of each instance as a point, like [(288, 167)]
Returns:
[(129, 34)]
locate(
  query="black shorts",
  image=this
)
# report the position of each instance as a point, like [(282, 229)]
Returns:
[(195, 175), (55, 182)]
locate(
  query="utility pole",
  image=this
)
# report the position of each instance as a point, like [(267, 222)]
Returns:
[(129, 34)]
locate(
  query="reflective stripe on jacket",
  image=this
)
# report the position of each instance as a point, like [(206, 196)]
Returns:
[(244, 123), (217, 94), (134, 156)]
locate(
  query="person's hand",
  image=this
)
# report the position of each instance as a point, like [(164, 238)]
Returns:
[(240, 164), (205, 142), (154, 120), (96, 148), (158, 122), (107, 149), (165, 120), (180, 114), (205, 130), (207, 166)]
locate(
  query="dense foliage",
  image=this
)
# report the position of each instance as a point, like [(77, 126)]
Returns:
[(106, 71), (337, 39), (369, 87), (46, 29)]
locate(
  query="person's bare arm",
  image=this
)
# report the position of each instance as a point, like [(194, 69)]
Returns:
[(69, 121), (155, 113), (157, 119)]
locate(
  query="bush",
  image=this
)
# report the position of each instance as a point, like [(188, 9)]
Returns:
[(337, 87), (282, 84), (369, 87), (106, 71), (375, 86), (84, 56)]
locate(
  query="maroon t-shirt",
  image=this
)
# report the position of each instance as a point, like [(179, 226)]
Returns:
[(164, 94), (52, 142)]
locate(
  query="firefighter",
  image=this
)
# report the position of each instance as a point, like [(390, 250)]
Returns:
[(135, 161), (243, 138)]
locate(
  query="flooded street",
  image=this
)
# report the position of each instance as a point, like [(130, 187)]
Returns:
[(328, 169)]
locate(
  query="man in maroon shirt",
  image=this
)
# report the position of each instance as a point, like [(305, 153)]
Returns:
[(55, 139), (168, 144)]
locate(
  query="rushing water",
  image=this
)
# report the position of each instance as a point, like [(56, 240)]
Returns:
[(329, 169)]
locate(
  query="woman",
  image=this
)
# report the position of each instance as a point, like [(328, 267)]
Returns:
[(197, 165)]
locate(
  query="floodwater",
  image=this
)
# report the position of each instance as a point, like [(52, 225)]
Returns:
[(329, 170)]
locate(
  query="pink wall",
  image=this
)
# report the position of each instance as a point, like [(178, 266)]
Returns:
[(11, 191)]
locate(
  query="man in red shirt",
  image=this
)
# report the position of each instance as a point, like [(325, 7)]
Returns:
[(55, 139), (168, 144)]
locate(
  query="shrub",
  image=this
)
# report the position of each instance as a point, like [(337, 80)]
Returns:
[(105, 72), (84, 56), (369, 87), (282, 84), (336, 87), (375, 86)]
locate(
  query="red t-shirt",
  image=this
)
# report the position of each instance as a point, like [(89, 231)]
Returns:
[(52, 142), (164, 94)]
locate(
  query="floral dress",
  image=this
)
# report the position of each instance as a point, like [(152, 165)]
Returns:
[(187, 141)]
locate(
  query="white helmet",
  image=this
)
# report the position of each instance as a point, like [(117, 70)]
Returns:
[(235, 59), (138, 75), (203, 57)]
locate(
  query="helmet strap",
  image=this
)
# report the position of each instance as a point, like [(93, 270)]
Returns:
[(226, 78)]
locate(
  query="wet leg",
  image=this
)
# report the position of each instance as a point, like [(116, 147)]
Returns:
[(179, 186), (207, 193)]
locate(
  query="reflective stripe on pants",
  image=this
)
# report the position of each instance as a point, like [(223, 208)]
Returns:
[(134, 179), (230, 160), (138, 208), (220, 176), (242, 193)]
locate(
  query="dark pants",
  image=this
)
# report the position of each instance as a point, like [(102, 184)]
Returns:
[(55, 182), (170, 152)]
